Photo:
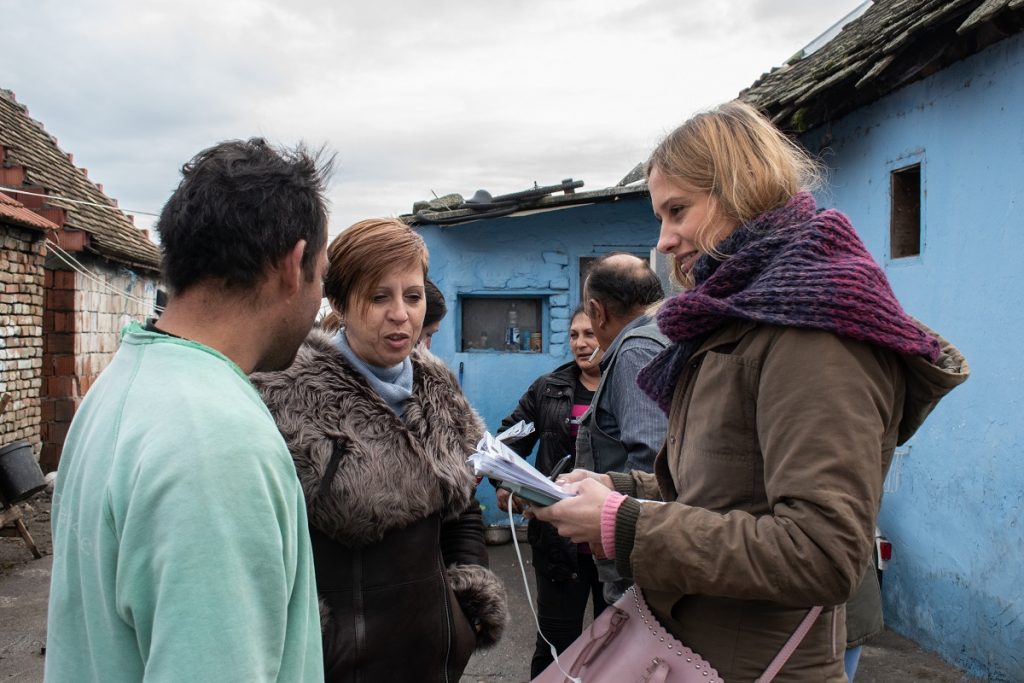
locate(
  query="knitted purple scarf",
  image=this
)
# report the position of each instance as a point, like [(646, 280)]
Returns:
[(792, 267)]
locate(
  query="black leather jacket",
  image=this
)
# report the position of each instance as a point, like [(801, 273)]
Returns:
[(548, 404), (398, 583)]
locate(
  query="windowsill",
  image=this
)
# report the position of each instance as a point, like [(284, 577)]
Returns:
[(496, 351)]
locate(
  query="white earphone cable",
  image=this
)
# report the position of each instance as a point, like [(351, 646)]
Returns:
[(529, 597)]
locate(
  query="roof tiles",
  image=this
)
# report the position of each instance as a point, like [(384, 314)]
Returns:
[(13, 211), (112, 234), (894, 43)]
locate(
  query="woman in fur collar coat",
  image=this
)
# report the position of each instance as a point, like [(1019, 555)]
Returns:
[(379, 431)]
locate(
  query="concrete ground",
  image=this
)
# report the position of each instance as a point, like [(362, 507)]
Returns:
[(24, 586), (24, 590)]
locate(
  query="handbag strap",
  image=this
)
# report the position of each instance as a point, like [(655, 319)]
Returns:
[(597, 645), (791, 645)]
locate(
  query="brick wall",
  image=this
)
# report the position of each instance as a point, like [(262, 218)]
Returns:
[(22, 253), (82, 325)]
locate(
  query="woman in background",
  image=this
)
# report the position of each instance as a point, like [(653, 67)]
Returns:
[(437, 309), (379, 433), (566, 575)]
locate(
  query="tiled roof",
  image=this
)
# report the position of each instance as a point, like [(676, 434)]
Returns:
[(111, 234), (12, 211), (894, 43)]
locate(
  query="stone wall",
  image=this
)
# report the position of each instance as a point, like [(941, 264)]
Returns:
[(83, 321), (22, 253)]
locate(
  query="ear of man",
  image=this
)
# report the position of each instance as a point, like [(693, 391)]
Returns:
[(288, 273), (597, 313)]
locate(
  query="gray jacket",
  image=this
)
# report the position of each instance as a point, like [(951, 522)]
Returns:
[(624, 429)]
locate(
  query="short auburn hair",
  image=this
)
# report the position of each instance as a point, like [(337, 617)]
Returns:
[(359, 258)]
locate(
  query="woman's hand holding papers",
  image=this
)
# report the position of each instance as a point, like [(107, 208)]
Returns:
[(578, 517), (580, 475)]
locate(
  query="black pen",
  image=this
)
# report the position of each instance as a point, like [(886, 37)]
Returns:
[(560, 467)]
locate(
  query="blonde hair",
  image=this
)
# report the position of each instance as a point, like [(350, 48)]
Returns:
[(359, 258), (745, 163)]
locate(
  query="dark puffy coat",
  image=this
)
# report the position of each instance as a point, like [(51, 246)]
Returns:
[(548, 404), (397, 534)]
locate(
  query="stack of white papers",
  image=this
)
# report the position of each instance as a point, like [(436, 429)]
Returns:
[(496, 460), (516, 432)]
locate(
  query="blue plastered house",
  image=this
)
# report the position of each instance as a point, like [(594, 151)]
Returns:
[(917, 110)]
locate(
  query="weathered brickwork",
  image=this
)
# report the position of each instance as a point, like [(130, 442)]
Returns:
[(22, 253), (59, 328), (83, 321)]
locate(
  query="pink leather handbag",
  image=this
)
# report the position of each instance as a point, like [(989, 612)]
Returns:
[(626, 643)]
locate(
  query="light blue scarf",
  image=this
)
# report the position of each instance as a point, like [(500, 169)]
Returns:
[(393, 384)]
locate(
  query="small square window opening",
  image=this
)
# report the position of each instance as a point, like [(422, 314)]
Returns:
[(511, 324)]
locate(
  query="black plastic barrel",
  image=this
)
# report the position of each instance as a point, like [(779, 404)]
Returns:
[(20, 476)]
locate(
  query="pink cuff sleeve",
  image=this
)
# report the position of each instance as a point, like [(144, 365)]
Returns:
[(608, 512)]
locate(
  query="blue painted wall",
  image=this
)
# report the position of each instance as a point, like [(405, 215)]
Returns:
[(531, 255), (956, 584)]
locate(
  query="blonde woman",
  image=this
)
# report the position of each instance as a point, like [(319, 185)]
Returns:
[(793, 375)]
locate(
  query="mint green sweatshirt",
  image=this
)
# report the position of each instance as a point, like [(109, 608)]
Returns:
[(181, 548)]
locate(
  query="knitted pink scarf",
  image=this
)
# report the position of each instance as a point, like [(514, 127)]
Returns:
[(792, 267)]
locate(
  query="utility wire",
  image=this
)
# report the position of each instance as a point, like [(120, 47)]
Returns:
[(70, 260), (77, 266), (78, 201)]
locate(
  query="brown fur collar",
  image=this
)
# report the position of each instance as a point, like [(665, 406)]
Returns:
[(393, 471)]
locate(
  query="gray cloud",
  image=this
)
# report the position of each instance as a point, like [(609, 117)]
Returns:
[(447, 96)]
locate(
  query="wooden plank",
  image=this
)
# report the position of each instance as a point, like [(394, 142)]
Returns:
[(27, 538), (14, 514), (985, 12), (880, 66), (936, 12), (9, 515), (850, 71)]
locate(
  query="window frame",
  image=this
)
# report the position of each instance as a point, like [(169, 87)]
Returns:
[(542, 296), (902, 164)]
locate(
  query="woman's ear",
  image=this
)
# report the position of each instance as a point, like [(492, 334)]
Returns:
[(723, 223)]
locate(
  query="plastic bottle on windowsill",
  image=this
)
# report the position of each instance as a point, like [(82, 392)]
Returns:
[(512, 329)]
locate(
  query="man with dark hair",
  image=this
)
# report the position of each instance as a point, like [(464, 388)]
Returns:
[(181, 546), (437, 309), (624, 429), (275, 199)]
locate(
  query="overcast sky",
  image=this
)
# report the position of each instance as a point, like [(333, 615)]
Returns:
[(413, 96)]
